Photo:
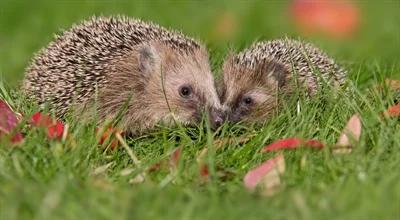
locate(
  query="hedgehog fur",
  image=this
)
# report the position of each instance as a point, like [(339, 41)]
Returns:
[(256, 75), (114, 59)]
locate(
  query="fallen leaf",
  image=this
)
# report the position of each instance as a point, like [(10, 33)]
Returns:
[(334, 18), (102, 169), (17, 138), (8, 122), (204, 172), (55, 131), (38, 119), (349, 136), (155, 167), (266, 177), (292, 143), (126, 171), (8, 119), (55, 128), (392, 111), (174, 159), (137, 179), (110, 134), (219, 143), (393, 84)]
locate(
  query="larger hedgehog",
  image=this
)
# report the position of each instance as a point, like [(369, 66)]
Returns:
[(253, 78), (160, 76)]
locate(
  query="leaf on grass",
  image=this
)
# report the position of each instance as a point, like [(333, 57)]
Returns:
[(204, 172), (174, 158), (109, 134), (8, 122), (292, 143), (17, 138), (55, 128), (102, 169), (350, 135), (137, 179), (155, 167), (393, 84), (266, 177), (329, 17), (393, 111), (126, 171)]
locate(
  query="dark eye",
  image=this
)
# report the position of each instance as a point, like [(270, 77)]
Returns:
[(247, 100), (185, 91)]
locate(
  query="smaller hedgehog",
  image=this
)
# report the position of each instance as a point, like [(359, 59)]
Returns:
[(160, 76), (253, 79)]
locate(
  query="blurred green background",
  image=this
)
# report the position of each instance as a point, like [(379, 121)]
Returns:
[(26, 26), (46, 181)]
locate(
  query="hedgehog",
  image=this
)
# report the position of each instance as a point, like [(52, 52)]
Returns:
[(255, 78), (158, 76)]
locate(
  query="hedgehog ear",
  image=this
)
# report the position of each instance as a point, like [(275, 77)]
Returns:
[(279, 72), (149, 59)]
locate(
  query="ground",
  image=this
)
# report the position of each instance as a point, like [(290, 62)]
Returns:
[(42, 179)]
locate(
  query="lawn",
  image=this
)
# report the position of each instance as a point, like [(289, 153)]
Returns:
[(78, 179)]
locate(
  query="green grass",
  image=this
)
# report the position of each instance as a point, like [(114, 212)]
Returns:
[(44, 179)]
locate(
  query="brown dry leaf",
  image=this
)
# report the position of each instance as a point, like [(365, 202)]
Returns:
[(175, 158), (126, 171), (102, 169), (137, 179), (108, 135), (350, 135), (393, 84)]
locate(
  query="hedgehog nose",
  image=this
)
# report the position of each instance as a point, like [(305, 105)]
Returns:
[(217, 118)]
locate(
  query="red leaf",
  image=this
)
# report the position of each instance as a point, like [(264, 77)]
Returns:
[(55, 131), (204, 172), (41, 120), (55, 128), (258, 174), (8, 119), (393, 111), (335, 18), (17, 138), (292, 143), (8, 122)]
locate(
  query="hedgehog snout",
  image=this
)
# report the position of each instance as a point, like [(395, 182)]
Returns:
[(217, 118)]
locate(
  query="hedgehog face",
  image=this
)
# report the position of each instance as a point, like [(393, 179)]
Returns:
[(161, 85), (179, 86), (250, 93)]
